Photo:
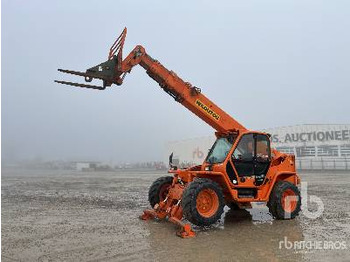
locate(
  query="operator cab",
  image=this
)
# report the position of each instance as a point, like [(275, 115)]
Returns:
[(251, 156)]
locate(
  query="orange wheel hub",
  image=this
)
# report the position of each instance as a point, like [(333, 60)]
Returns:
[(207, 202), (289, 200)]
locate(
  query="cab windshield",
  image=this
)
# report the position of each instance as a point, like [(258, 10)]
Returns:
[(219, 150)]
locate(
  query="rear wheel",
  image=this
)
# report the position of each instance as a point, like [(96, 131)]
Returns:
[(159, 189), (203, 202), (285, 200)]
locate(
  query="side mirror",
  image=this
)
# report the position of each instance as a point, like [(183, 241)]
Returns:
[(171, 165)]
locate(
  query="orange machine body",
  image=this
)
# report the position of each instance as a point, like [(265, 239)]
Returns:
[(279, 166), (282, 167)]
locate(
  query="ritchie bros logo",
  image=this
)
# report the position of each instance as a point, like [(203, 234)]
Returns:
[(197, 154)]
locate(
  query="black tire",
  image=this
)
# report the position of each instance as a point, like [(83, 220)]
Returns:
[(189, 202), (275, 202), (154, 191)]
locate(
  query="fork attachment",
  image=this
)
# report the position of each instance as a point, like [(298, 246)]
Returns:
[(110, 71)]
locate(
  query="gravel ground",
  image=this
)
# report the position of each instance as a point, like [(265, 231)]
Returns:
[(93, 216)]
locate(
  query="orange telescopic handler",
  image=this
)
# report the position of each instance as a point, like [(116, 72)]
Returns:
[(239, 169)]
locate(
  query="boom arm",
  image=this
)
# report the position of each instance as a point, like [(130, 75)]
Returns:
[(114, 70)]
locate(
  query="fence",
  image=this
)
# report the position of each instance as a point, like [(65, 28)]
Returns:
[(340, 163)]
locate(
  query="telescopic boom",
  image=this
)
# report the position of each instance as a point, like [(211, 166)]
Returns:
[(114, 70)]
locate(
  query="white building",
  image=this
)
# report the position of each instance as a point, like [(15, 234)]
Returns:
[(85, 165), (315, 146), (190, 151)]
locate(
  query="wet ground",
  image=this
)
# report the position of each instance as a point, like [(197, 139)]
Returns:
[(93, 216)]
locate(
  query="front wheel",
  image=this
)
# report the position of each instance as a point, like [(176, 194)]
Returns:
[(285, 200), (159, 189), (203, 202)]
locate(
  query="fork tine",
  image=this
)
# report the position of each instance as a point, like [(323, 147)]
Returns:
[(80, 85)]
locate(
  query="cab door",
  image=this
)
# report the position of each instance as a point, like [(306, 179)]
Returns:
[(262, 157), (243, 156), (252, 155)]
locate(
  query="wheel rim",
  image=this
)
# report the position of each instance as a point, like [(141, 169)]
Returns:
[(163, 192), (207, 202), (289, 200)]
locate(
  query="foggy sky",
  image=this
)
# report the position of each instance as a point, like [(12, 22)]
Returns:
[(267, 63)]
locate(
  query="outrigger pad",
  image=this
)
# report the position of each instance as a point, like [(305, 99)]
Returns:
[(186, 232)]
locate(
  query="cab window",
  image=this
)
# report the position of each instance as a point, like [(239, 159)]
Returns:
[(245, 148), (262, 148)]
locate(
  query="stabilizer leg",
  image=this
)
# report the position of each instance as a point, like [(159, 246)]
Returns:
[(148, 214), (185, 228)]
